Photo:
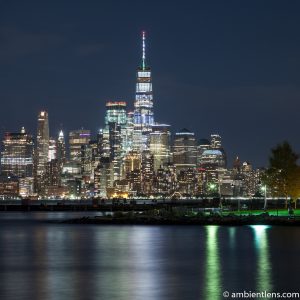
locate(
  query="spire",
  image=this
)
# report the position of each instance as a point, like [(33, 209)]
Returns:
[(144, 51), (61, 135)]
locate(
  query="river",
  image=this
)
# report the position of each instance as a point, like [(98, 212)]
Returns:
[(42, 259)]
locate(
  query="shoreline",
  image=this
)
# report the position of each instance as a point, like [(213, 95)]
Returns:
[(218, 221)]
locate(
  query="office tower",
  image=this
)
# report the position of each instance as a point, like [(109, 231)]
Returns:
[(165, 180), (103, 143), (103, 178), (17, 154), (114, 135), (89, 161), (143, 105), (115, 124), (213, 157), (184, 150), (116, 113), (52, 153), (203, 144), (61, 149), (187, 182), (147, 172), (53, 173), (237, 165), (159, 145), (128, 135), (42, 151), (77, 138), (9, 187), (131, 162), (215, 141)]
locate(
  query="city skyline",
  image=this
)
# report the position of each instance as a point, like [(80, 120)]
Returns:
[(130, 156), (210, 75)]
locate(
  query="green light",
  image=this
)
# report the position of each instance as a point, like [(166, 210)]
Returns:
[(212, 276), (212, 186), (263, 264)]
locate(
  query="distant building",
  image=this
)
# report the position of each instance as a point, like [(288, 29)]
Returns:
[(9, 187), (78, 138), (184, 150), (213, 156), (42, 151), (17, 154), (159, 145), (143, 105), (52, 153), (61, 151)]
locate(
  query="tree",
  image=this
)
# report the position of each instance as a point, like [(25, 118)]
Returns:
[(294, 185), (283, 175)]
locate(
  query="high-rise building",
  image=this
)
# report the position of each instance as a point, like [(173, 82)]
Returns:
[(184, 150), (78, 138), (52, 153), (132, 161), (116, 113), (159, 145), (215, 141), (115, 134), (42, 150), (213, 156), (147, 172), (61, 149), (17, 154), (143, 105)]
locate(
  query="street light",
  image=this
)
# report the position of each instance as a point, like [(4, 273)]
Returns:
[(264, 189)]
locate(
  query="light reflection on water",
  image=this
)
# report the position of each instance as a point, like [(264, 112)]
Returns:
[(213, 275), (264, 270), (49, 261)]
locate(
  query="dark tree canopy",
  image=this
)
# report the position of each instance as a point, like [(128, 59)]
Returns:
[(283, 175)]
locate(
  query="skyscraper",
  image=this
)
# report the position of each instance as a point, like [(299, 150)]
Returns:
[(42, 150), (52, 153), (78, 138), (17, 154), (143, 105), (61, 149), (159, 145), (184, 150)]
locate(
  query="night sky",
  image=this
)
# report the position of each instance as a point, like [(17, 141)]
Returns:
[(227, 67)]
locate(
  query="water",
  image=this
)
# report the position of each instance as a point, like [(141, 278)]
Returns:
[(50, 261)]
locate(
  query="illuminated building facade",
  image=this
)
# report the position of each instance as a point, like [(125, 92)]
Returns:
[(213, 156), (147, 172), (78, 138), (116, 113), (52, 153), (42, 150), (61, 149), (184, 150), (17, 154), (159, 145), (9, 187), (143, 105)]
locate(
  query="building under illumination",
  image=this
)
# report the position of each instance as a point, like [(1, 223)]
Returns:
[(159, 145), (184, 150), (78, 138), (17, 154), (42, 150), (143, 105)]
